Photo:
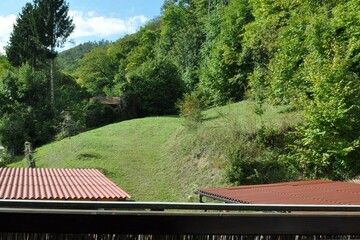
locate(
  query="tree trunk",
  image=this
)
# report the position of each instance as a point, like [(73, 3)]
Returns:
[(52, 91)]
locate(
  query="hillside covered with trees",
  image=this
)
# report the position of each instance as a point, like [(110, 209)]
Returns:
[(302, 54)]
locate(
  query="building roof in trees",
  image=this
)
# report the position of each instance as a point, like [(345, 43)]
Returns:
[(108, 100), (58, 184), (321, 192)]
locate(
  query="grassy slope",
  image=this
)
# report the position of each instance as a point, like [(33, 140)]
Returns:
[(140, 155)]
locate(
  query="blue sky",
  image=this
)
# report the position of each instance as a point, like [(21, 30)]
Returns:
[(94, 19)]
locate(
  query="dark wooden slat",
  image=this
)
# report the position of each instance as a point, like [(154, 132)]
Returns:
[(179, 223)]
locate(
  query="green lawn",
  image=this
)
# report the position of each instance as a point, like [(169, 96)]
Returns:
[(149, 157)]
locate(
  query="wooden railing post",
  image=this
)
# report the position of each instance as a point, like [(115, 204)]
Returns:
[(28, 155)]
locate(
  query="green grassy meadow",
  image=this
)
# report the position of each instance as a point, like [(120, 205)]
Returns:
[(157, 158)]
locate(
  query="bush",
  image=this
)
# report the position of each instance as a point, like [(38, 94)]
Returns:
[(190, 109), (258, 158), (5, 157), (328, 144), (266, 168), (68, 127), (13, 132)]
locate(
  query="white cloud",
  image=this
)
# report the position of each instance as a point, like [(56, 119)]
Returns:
[(6, 23), (90, 24)]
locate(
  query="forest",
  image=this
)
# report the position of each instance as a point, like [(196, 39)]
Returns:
[(197, 53)]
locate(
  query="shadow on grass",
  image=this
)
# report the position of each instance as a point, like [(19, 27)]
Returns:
[(17, 159)]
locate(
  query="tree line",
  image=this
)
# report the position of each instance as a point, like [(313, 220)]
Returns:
[(29, 110), (301, 53)]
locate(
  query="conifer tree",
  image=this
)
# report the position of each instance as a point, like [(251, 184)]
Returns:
[(23, 47), (53, 27), (40, 29)]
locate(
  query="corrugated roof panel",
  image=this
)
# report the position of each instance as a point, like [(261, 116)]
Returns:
[(62, 184), (97, 183), (301, 192), (77, 181), (56, 186)]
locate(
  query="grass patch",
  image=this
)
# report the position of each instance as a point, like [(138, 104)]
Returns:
[(158, 158), (87, 156)]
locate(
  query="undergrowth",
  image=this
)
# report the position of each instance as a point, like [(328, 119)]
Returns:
[(243, 145)]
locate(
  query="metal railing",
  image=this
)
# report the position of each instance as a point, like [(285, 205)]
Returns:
[(178, 219), (161, 206)]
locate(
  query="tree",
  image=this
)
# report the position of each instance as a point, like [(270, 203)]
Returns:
[(153, 89), (24, 109), (222, 76), (53, 26), (40, 28), (96, 72), (181, 37), (23, 47), (328, 144), (4, 66), (68, 60), (120, 50), (144, 50)]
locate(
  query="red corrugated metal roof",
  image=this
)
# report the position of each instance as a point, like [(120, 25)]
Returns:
[(57, 184), (302, 192)]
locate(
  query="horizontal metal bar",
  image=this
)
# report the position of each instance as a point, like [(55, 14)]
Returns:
[(127, 222), (50, 204)]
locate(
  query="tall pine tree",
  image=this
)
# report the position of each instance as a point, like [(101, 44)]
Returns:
[(23, 47), (40, 29), (53, 27)]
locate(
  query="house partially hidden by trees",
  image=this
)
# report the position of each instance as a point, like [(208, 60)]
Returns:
[(58, 184), (107, 100)]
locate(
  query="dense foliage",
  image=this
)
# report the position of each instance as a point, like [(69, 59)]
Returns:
[(69, 60), (311, 60), (26, 112), (27, 95)]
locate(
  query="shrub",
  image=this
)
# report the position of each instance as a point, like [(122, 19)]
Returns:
[(258, 160), (190, 108), (13, 132), (266, 168), (5, 157), (68, 127), (328, 144)]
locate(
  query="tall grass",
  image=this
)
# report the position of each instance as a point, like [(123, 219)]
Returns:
[(240, 143)]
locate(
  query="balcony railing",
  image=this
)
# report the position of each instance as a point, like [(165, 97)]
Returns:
[(141, 220)]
